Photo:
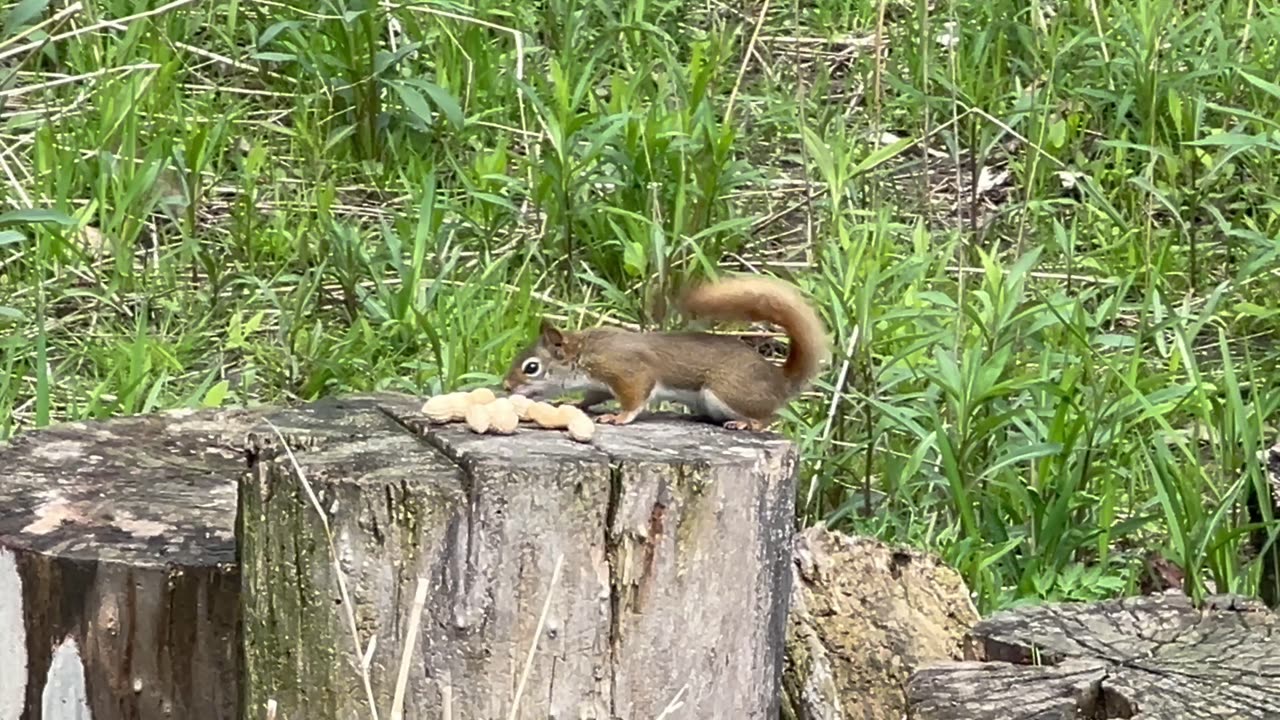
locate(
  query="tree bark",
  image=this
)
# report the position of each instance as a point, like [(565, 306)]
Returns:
[(1152, 657), (118, 583), (648, 570)]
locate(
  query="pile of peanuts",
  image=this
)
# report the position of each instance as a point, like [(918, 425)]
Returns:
[(485, 412)]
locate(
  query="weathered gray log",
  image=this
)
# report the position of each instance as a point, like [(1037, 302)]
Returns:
[(1152, 657), (648, 569), (118, 584), (864, 615)]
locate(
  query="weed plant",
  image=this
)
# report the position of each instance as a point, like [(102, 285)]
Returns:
[(1045, 235)]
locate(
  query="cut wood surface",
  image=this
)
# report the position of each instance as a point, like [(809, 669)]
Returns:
[(118, 584), (1153, 657), (648, 570)]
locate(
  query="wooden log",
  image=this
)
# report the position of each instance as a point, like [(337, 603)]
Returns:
[(646, 572), (1153, 657), (118, 583)]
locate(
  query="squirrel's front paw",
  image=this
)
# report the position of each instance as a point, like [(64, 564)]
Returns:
[(618, 419), (752, 425)]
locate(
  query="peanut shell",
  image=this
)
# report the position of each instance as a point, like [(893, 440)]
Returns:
[(544, 414), (477, 417), (581, 428), (445, 408), (502, 416), (522, 405), (569, 413), (481, 396)]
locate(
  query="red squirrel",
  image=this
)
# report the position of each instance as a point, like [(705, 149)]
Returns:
[(716, 376)]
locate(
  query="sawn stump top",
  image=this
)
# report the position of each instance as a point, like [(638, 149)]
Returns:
[(160, 489)]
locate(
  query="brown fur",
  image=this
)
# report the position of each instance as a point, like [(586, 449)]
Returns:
[(629, 366), (762, 299)]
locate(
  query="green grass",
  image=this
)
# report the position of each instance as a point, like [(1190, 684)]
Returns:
[(1045, 236)]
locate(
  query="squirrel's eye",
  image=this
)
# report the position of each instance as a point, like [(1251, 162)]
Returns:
[(531, 367)]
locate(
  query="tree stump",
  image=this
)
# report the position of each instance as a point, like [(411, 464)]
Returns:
[(644, 575), (864, 615), (118, 585), (1152, 657)]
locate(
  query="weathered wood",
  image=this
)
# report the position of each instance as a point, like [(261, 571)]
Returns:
[(659, 552), (118, 583), (1152, 657), (120, 595), (864, 615)]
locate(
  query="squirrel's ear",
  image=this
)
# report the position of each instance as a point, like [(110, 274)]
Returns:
[(551, 334)]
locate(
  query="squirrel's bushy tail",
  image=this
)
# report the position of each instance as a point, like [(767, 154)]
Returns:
[(757, 299)]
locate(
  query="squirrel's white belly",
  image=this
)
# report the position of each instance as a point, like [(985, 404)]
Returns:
[(702, 401)]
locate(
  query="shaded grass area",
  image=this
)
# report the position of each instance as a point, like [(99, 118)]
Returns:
[(1045, 236)]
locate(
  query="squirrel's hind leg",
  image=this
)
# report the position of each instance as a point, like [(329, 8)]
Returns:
[(728, 417)]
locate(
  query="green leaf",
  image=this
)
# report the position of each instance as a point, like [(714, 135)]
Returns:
[(881, 155), (1241, 113), (216, 395), (274, 29), (1021, 454), (441, 98), (10, 237), (634, 258), (385, 59), (1057, 133), (1230, 139), (414, 101), (44, 401), (22, 13), (27, 216), (252, 324), (999, 552), (274, 56), (820, 155), (948, 374), (1266, 86), (12, 313)]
